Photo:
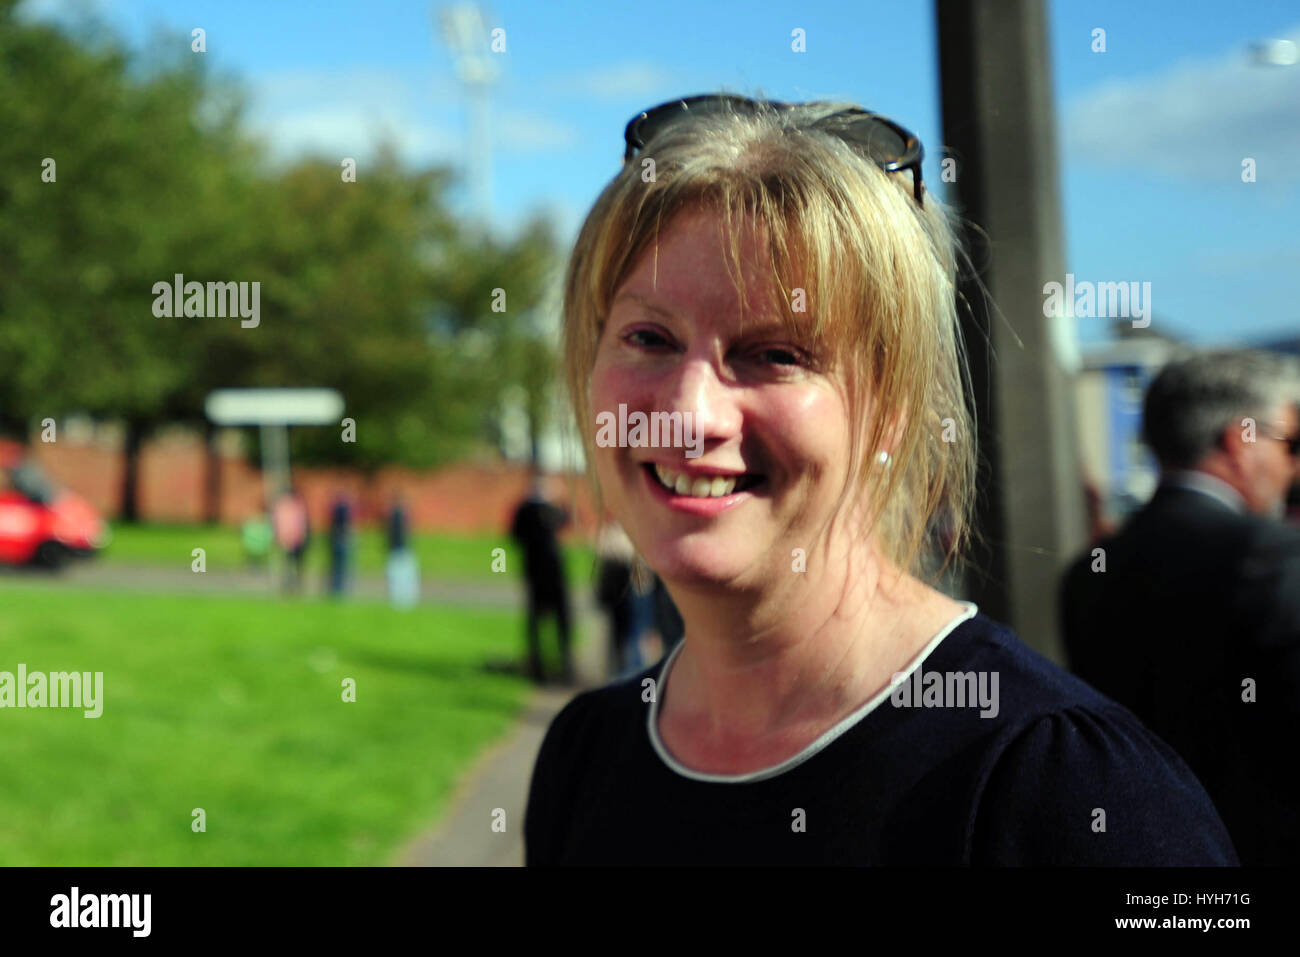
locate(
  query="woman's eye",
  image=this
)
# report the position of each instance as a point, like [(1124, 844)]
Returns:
[(645, 337), (781, 357)]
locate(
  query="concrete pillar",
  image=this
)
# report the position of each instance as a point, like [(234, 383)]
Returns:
[(998, 124)]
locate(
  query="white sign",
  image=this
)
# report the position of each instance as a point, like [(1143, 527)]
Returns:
[(274, 406)]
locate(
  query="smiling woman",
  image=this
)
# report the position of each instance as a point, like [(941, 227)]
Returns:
[(771, 272)]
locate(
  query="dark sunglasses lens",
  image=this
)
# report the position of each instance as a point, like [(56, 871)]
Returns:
[(878, 140), (661, 117), (885, 144)]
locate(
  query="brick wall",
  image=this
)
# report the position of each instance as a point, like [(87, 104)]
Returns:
[(458, 498)]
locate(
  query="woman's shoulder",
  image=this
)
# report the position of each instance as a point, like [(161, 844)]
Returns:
[(1036, 696), (1077, 786), (590, 714), (970, 642), (1072, 777), (983, 682), (1037, 686)]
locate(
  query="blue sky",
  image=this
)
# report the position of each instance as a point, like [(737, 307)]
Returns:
[(1152, 132)]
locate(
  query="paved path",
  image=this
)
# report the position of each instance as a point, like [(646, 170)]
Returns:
[(508, 591), (464, 837)]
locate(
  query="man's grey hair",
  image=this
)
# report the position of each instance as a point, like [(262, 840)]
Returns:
[(1192, 401)]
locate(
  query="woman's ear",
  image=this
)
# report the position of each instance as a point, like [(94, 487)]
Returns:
[(895, 431), (891, 436)]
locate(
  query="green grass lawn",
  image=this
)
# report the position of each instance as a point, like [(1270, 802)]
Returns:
[(235, 706), (450, 557)]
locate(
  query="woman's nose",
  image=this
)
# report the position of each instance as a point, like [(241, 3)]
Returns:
[(697, 390)]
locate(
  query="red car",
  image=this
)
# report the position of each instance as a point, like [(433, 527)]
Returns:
[(40, 523)]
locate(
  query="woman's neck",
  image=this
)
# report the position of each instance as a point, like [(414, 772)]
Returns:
[(765, 670)]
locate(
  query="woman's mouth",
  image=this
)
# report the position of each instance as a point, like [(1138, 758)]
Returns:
[(685, 485)]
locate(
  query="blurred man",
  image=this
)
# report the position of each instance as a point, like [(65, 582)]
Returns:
[(627, 600), (1190, 615), (1293, 502), (536, 524), (340, 545)]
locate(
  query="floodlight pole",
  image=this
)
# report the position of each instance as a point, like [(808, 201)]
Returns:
[(464, 30), (275, 460), (274, 440)]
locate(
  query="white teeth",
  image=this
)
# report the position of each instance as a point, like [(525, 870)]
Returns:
[(715, 487)]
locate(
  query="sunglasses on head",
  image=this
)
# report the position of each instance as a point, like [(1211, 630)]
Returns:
[(880, 139)]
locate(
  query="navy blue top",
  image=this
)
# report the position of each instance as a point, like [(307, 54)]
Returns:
[(1059, 775)]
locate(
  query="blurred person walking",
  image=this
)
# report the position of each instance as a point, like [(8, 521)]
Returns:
[(292, 533), (668, 624), (340, 545), (255, 536), (535, 527), (1190, 615), (403, 572), (629, 603)]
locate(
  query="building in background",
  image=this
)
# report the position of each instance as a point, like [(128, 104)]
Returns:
[(1288, 346), (1110, 387)]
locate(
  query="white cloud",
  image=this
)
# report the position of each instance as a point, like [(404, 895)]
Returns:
[(1197, 120), (617, 81), (356, 133), (369, 85), (348, 112), (517, 132)]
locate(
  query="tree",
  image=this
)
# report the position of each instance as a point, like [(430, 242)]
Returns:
[(509, 348), (112, 182), (367, 286)]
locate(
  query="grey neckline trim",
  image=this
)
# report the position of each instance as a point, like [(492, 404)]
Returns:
[(844, 725)]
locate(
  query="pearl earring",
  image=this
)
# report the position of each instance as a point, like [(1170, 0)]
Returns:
[(883, 459)]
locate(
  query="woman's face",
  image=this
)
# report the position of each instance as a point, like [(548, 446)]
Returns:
[(766, 416)]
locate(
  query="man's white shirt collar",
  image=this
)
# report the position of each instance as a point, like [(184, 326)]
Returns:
[(1207, 485)]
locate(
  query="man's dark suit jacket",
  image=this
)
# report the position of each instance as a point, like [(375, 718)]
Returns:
[(535, 527), (1197, 606)]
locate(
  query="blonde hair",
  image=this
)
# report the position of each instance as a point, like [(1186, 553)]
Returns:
[(878, 272)]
